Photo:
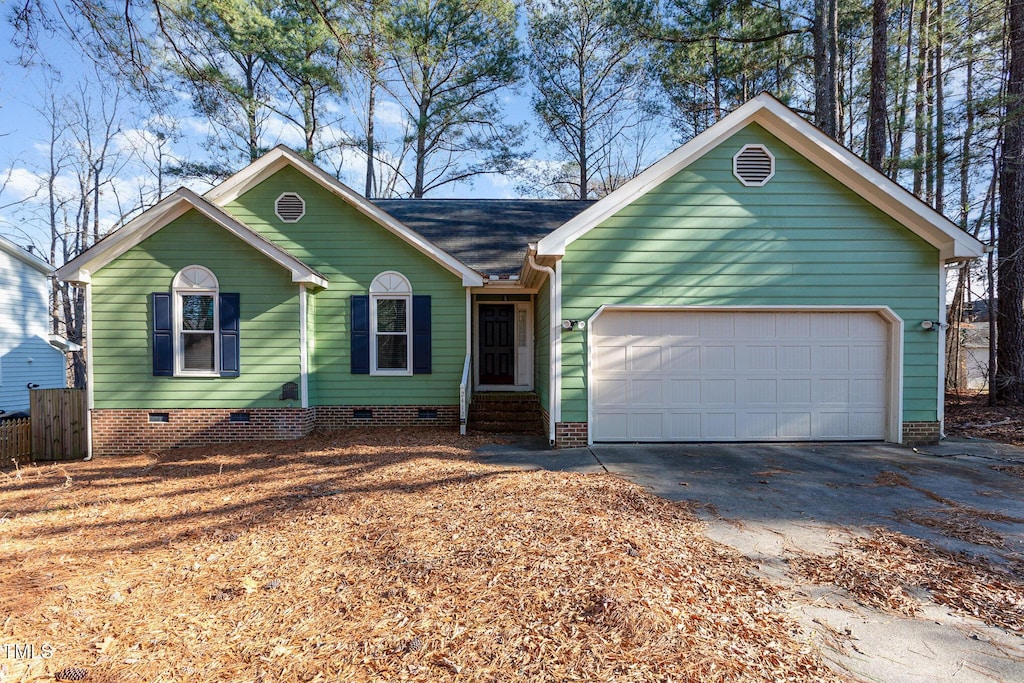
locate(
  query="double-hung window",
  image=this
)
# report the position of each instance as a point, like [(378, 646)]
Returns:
[(195, 318), (390, 324), (390, 328), (195, 327)]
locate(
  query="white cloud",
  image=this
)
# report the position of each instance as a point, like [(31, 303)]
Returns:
[(20, 184), (389, 114)]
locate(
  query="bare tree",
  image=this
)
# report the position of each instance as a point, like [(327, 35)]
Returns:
[(589, 74), (451, 58)]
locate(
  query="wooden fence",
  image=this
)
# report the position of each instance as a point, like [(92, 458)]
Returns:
[(59, 430), (15, 440)]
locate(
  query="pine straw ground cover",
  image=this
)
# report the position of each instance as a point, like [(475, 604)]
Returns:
[(371, 556), (881, 571), (969, 414)]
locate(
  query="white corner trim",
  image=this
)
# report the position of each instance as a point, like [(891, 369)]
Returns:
[(282, 156), (469, 321), (90, 372), (303, 347), (805, 139), (894, 394)]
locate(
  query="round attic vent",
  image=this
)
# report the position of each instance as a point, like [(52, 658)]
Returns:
[(753, 165), (290, 207)]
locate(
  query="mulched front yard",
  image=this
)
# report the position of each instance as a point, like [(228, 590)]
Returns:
[(372, 556), (969, 414)]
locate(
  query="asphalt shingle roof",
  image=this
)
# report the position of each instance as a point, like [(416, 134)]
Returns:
[(488, 235)]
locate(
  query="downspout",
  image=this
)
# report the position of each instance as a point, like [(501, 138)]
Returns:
[(554, 313), (303, 347)]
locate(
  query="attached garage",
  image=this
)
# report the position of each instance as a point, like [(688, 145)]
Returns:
[(700, 374)]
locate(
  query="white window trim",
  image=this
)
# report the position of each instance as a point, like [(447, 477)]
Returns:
[(180, 291), (381, 292)]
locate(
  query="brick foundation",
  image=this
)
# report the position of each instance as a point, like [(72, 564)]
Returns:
[(129, 432), (570, 434), (917, 433), (345, 417)]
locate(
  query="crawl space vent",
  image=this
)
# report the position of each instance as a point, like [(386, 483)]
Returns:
[(753, 165), (290, 207)]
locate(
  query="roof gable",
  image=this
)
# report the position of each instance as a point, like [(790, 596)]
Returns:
[(163, 213), (281, 157), (806, 140), (25, 257)]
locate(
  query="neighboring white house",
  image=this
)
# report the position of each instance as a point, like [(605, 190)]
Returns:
[(29, 354)]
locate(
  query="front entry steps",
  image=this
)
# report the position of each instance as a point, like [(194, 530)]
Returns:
[(506, 412)]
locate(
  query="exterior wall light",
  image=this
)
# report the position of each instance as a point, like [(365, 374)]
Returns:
[(574, 324)]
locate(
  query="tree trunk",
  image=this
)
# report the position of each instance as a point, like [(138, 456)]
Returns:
[(1010, 280), (920, 102), (826, 67), (877, 114), (940, 113), (421, 148), (371, 107), (893, 164)]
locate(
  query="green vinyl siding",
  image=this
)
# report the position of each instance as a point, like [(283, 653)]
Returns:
[(350, 249), (122, 321), (542, 361), (804, 239)]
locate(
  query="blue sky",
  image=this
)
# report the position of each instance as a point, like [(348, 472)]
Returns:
[(24, 133)]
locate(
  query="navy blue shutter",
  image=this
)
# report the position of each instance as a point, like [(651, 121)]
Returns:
[(230, 356), (163, 335), (360, 320), (420, 334)]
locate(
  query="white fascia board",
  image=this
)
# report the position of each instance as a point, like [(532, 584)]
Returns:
[(79, 269), (555, 243), (827, 154), (281, 156), (878, 189), (25, 257), (174, 206)]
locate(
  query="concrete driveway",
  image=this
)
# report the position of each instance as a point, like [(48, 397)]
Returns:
[(776, 502)]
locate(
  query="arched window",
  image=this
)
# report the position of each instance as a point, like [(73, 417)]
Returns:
[(196, 326), (390, 324)]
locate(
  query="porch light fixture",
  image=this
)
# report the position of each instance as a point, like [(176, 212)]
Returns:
[(574, 324)]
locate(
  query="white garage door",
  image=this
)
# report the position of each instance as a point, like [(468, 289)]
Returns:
[(738, 376)]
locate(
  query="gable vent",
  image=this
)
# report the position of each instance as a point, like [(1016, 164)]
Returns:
[(290, 207), (753, 165)]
